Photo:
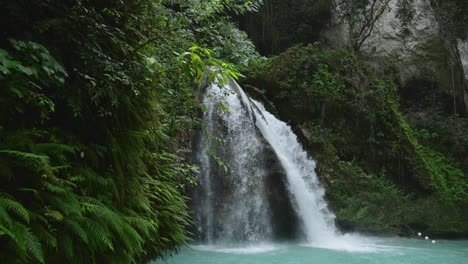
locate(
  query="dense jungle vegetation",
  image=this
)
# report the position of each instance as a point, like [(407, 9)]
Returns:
[(380, 143), (369, 156), (98, 101)]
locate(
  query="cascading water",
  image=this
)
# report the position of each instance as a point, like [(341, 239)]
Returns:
[(233, 205), (236, 205), (303, 184)]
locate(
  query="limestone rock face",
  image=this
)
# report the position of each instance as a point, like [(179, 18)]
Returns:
[(413, 46), (463, 52), (390, 36), (420, 49)]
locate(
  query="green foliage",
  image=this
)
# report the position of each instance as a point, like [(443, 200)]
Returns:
[(97, 102), (441, 131), (53, 211), (202, 63), (437, 172), (219, 161), (30, 71), (279, 24), (368, 155), (358, 198)]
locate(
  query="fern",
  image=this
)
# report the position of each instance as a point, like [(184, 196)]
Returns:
[(54, 214), (76, 229), (14, 207), (47, 237), (52, 148), (33, 246), (67, 246), (6, 231), (29, 160), (90, 163), (19, 232), (54, 188), (143, 225), (99, 235), (4, 216)]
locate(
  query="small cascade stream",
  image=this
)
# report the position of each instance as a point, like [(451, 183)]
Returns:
[(235, 203), (303, 184)]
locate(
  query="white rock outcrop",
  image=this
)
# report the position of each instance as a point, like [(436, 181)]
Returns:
[(462, 46), (419, 50)]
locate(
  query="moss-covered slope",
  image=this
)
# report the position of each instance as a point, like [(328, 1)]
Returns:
[(382, 173)]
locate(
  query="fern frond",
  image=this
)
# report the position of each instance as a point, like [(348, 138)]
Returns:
[(66, 204), (143, 225), (54, 214), (98, 182), (34, 191), (100, 233), (54, 188), (5, 231), (75, 228), (29, 160), (128, 236), (14, 207), (52, 148), (67, 245), (4, 216), (19, 232), (46, 236), (33, 246), (60, 168), (131, 238)]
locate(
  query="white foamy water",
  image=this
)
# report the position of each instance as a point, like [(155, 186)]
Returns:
[(303, 183), (236, 249), (233, 204), (304, 186), (352, 243), (232, 200), (233, 213)]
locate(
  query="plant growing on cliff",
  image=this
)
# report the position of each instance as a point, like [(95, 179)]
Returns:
[(361, 15), (368, 153)]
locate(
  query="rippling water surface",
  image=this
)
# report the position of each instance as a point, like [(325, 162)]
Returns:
[(370, 250)]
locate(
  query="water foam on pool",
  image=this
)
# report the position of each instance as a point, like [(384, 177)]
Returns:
[(351, 243), (238, 249)]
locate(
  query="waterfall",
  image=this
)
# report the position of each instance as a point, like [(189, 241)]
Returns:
[(303, 184), (234, 203)]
